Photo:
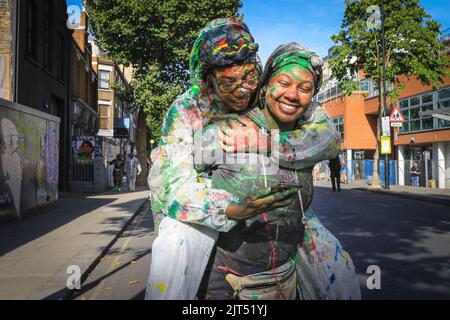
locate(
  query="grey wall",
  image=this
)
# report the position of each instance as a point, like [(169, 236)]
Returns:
[(29, 152)]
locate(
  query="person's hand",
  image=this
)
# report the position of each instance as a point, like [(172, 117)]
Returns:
[(254, 205), (243, 135)]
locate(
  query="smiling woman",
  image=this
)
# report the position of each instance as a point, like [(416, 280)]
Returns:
[(289, 95)]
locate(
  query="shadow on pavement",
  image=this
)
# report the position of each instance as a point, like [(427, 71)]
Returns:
[(408, 239)]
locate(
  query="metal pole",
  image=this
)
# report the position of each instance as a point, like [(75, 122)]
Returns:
[(383, 49)]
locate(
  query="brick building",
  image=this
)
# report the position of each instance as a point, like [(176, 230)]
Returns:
[(424, 139)]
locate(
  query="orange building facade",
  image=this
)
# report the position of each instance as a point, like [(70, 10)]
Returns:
[(424, 140)]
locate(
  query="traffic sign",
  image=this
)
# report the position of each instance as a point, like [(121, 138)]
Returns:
[(396, 116), (385, 145), (386, 130)]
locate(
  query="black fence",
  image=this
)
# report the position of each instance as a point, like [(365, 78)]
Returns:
[(82, 172)]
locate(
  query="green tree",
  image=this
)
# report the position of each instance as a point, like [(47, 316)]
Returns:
[(412, 48), (154, 37)]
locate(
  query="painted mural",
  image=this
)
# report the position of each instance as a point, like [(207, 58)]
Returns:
[(86, 149), (29, 156)]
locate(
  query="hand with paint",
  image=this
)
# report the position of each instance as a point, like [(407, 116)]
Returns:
[(243, 135), (254, 205)]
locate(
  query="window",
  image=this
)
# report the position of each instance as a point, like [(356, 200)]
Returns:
[(364, 85), (48, 35), (411, 108), (443, 97), (31, 29), (373, 88), (329, 93), (103, 79), (339, 123), (104, 117)]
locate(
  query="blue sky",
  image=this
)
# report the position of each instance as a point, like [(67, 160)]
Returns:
[(309, 22)]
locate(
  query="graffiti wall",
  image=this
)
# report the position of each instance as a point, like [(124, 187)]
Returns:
[(85, 149), (29, 153)]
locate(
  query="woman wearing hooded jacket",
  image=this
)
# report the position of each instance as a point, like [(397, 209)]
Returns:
[(224, 74), (265, 256)]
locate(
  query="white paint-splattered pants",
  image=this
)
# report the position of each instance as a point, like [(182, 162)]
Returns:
[(131, 179)]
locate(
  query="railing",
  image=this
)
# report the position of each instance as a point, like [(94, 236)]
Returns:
[(399, 171), (82, 172)]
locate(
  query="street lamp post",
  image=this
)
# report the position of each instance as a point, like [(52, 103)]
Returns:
[(383, 50)]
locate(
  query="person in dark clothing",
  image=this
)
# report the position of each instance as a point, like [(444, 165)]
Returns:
[(415, 174), (118, 171), (335, 173)]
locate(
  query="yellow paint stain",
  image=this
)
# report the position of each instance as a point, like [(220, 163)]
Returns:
[(162, 287)]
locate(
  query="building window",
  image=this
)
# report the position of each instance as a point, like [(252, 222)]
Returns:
[(104, 117), (103, 79), (339, 123), (411, 108), (48, 27), (329, 92), (31, 29), (443, 102), (364, 85)]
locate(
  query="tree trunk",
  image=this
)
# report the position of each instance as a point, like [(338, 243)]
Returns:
[(141, 147)]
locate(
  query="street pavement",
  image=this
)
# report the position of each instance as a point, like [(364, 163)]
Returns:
[(123, 272), (110, 237), (35, 253), (409, 240)]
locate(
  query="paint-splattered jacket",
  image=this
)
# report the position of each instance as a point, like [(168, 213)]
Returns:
[(177, 190), (265, 241)]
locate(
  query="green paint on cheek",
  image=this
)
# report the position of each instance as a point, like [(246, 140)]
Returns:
[(174, 209)]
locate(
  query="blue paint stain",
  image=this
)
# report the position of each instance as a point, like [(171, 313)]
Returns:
[(332, 278)]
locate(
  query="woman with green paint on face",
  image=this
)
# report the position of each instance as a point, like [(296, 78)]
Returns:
[(224, 73), (265, 256)]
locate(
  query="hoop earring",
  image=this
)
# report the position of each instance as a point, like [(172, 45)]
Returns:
[(262, 99)]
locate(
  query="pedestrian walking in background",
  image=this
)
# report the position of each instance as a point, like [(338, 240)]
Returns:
[(335, 173), (327, 169), (117, 171), (132, 169), (344, 175), (415, 174), (357, 172), (315, 172)]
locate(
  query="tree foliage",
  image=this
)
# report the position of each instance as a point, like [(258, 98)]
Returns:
[(411, 41), (412, 47), (155, 37)]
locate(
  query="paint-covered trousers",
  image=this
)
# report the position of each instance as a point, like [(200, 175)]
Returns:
[(131, 179), (325, 270)]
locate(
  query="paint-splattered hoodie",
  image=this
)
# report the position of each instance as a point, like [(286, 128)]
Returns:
[(177, 190)]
